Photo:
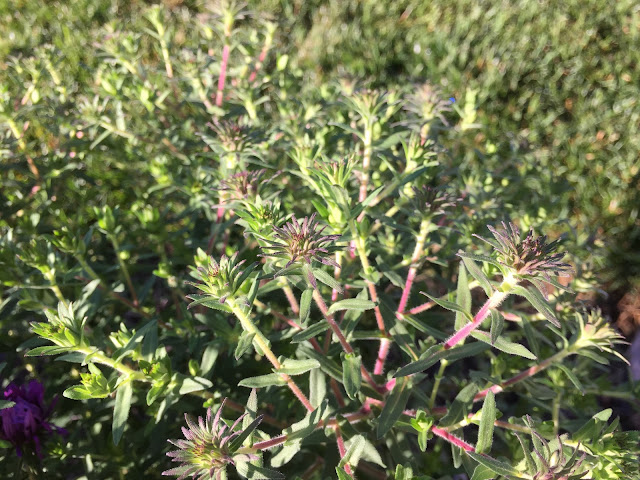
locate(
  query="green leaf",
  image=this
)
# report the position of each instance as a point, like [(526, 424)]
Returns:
[(497, 325), (46, 350), (463, 297), (351, 304), (403, 472), (537, 301), (253, 472), (305, 427), (155, 391), (451, 355), (121, 410), (262, 381), (342, 474), (450, 306), (248, 430), (572, 376), (504, 345), (317, 387), (298, 367), (531, 466), (6, 404), (327, 365), (485, 434), (354, 452), (134, 340), (310, 332), (479, 258), (498, 467), (351, 377), (305, 305), (209, 302), (78, 392), (244, 344), (477, 273), (243, 276), (393, 407), (194, 384), (483, 473), (327, 279), (460, 406)]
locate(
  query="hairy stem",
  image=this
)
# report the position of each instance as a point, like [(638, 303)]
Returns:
[(262, 344), (335, 328), (529, 372)]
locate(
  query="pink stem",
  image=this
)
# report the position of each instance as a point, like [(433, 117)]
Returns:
[(458, 442), (422, 308), (407, 289), (341, 449), (223, 74), (529, 372), (465, 331)]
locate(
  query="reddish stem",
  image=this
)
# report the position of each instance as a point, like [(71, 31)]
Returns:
[(407, 289), (493, 301), (458, 442), (422, 308), (223, 74), (341, 449)]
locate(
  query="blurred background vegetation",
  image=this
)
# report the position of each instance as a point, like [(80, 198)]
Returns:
[(555, 84)]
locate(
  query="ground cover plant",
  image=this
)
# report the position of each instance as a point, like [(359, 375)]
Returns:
[(282, 281)]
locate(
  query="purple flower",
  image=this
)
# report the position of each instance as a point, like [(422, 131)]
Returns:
[(25, 424)]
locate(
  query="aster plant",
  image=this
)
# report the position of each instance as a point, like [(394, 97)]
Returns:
[(365, 313)]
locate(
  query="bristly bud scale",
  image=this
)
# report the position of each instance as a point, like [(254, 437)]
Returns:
[(302, 242), (210, 445), (528, 257)]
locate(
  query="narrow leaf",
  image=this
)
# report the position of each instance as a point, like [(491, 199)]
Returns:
[(463, 297), (262, 381), (485, 434), (310, 332), (572, 376), (537, 301), (477, 273), (305, 305), (298, 367), (351, 377), (395, 404), (449, 305), (351, 304), (497, 466), (504, 345), (121, 410), (452, 355), (327, 279)]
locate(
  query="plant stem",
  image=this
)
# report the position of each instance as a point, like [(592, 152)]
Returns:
[(385, 343), (335, 328), (417, 253), (124, 269), (50, 276), (341, 449), (436, 383), (262, 344), (223, 72), (529, 372), (494, 301)]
